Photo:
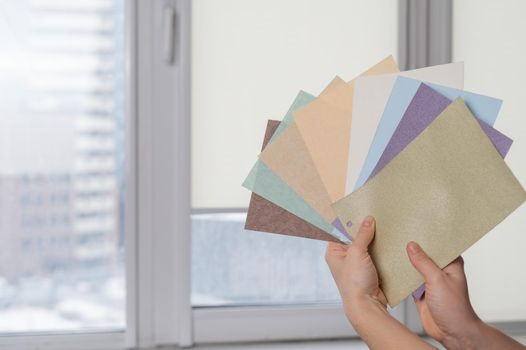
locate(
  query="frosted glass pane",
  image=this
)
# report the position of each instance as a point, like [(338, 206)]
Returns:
[(251, 268), (489, 36), (249, 60)]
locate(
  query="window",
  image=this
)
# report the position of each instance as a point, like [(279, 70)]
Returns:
[(114, 114), (495, 66), (245, 71), (62, 127)]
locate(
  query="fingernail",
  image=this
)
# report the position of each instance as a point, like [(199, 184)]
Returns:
[(368, 221), (413, 247)]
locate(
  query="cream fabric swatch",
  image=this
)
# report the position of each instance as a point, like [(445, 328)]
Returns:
[(370, 97), (445, 190), (325, 126)]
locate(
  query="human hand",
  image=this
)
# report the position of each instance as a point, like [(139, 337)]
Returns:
[(355, 274), (365, 304), (445, 310)]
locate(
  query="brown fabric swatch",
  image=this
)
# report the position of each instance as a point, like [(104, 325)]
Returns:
[(266, 216)]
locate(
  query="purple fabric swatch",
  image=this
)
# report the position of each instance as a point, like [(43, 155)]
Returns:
[(419, 292), (502, 142), (339, 226), (425, 106)]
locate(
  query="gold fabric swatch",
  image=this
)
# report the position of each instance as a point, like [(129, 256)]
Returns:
[(445, 190)]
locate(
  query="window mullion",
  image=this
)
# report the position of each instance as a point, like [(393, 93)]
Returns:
[(131, 176), (164, 177), (425, 28), (144, 250)]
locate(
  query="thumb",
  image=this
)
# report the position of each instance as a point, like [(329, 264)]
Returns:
[(422, 262), (365, 234), (455, 268), (335, 256)]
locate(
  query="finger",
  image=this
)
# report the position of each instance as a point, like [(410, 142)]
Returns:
[(426, 318), (421, 307), (423, 310), (382, 298), (335, 254), (420, 304), (422, 262), (365, 234), (456, 267), (335, 250)]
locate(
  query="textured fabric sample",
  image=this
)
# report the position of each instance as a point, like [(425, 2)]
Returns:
[(426, 105), (265, 216), (264, 182), (483, 107), (288, 156), (370, 98), (325, 125), (445, 190)]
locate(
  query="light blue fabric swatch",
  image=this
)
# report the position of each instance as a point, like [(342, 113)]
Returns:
[(263, 181), (484, 107)]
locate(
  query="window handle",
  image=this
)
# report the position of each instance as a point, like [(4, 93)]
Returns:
[(168, 34)]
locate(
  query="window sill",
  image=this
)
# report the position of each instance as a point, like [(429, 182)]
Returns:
[(313, 345), (273, 323), (74, 341)]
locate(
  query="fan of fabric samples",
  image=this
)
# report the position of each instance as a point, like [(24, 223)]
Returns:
[(411, 148)]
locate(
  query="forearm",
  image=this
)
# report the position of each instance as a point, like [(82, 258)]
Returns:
[(379, 329), (481, 337)]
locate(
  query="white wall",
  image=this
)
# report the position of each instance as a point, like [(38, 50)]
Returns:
[(490, 37)]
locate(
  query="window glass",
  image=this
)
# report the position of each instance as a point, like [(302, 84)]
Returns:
[(61, 165), (231, 266)]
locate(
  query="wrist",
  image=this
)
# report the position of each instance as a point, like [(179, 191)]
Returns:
[(470, 337), (359, 308)]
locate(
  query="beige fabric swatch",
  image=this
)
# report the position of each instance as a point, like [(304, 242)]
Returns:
[(371, 94), (288, 157), (445, 190), (325, 125)]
